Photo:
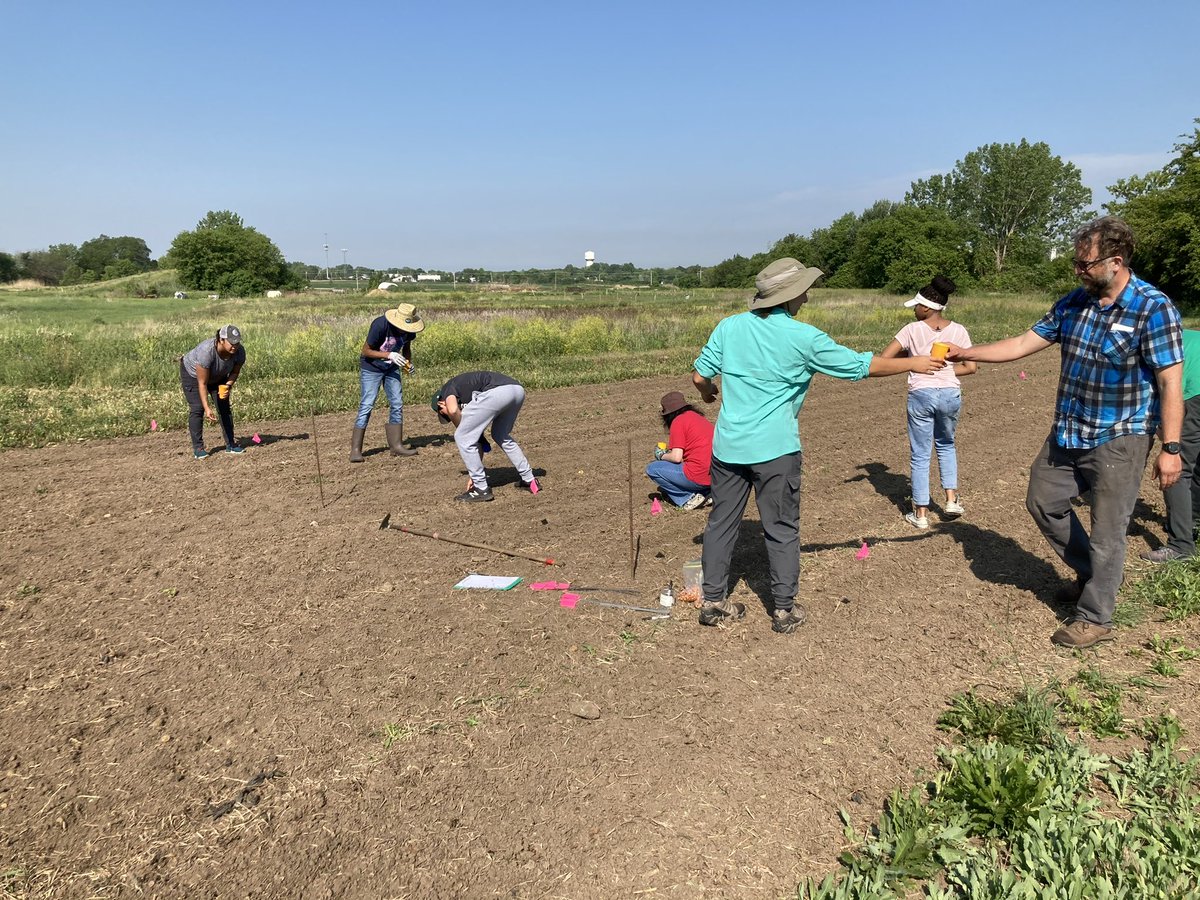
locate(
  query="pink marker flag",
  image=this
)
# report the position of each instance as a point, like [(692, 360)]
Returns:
[(655, 507), (568, 601), (256, 438), (154, 424), (1022, 376), (863, 552), (550, 586)]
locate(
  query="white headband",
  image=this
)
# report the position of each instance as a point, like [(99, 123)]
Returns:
[(922, 300)]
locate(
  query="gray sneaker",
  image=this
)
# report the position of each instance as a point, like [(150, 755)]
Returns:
[(785, 621), (718, 613), (1161, 555)]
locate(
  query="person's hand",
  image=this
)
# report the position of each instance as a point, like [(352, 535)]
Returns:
[(397, 359), (209, 414), (1167, 469), (927, 365), (709, 394), (223, 391), (659, 452), (954, 354)]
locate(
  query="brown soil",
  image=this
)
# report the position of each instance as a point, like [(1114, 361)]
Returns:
[(214, 686)]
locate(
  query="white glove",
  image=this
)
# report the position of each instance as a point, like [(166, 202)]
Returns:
[(398, 360)]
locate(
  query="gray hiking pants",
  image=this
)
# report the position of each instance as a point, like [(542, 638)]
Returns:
[(776, 486), (499, 407), (1113, 473), (1183, 497)]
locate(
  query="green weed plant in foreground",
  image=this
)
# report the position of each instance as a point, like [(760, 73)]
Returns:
[(1019, 809), (80, 364)]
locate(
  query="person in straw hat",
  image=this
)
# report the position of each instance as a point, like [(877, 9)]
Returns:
[(386, 353), (766, 361)]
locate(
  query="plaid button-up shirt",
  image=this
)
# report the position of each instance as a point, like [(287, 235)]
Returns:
[(1110, 354)]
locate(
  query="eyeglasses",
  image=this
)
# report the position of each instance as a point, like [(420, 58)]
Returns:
[(1085, 265)]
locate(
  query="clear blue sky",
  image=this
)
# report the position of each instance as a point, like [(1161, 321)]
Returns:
[(447, 135)]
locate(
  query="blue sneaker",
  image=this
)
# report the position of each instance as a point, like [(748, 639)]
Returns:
[(199, 454), (235, 449)]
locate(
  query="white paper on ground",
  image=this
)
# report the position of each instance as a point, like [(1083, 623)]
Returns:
[(490, 582)]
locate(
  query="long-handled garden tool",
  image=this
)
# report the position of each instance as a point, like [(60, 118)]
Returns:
[(437, 536)]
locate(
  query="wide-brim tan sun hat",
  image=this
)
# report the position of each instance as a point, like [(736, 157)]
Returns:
[(405, 317), (782, 281)]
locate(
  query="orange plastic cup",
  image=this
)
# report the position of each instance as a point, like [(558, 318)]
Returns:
[(223, 391), (939, 350)]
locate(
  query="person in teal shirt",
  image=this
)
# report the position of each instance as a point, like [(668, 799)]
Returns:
[(1183, 497), (766, 361)]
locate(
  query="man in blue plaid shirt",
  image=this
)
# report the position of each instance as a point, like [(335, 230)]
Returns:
[(1121, 376)]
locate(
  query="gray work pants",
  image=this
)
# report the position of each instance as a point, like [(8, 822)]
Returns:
[(499, 406), (776, 486), (1113, 473), (1183, 497)]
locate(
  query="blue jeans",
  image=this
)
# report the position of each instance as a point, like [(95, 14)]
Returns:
[(371, 381), (677, 487), (932, 418)]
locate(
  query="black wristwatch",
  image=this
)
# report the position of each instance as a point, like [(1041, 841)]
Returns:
[(1171, 447)]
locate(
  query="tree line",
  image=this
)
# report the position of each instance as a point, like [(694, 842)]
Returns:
[(1001, 220)]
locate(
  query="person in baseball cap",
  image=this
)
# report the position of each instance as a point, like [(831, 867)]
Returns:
[(207, 373), (766, 361)]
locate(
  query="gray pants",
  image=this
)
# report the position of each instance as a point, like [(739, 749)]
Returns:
[(776, 486), (498, 406), (1183, 497), (1113, 473)]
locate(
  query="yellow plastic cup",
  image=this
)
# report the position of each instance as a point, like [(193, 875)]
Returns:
[(939, 350), (662, 445), (223, 391)]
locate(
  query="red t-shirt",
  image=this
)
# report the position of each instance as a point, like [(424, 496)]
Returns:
[(694, 434)]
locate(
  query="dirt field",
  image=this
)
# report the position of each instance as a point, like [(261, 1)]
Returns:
[(212, 686)]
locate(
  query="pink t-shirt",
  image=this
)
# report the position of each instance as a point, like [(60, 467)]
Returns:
[(917, 338)]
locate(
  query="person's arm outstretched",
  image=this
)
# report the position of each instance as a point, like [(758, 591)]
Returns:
[(882, 366), (1006, 350)]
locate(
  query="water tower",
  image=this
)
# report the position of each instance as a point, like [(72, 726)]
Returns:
[(589, 258)]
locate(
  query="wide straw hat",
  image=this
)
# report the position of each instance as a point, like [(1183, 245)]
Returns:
[(405, 317), (781, 281)]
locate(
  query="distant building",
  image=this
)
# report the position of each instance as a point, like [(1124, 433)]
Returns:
[(429, 276), (589, 258)]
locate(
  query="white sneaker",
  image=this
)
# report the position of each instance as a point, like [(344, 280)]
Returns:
[(693, 502), (916, 521), (952, 510)]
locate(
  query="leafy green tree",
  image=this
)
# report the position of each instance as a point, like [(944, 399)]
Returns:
[(1010, 195), (124, 255), (1163, 208), (223, 254), (48, 266), (9, 270), (903, 250), (736, 272)]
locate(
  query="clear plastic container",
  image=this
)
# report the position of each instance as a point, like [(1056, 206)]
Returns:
[(693, 577)]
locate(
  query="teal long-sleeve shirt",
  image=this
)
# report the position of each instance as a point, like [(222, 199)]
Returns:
[(766, 364)]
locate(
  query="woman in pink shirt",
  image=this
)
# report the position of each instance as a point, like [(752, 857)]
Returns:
[(934, 400)]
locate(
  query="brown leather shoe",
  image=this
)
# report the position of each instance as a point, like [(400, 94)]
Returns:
[(1080, 635)]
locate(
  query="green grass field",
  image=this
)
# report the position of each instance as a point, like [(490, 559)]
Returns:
[(95, 361)]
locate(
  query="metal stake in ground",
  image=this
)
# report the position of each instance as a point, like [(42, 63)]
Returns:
[(632, 551), (317, 453), (387, 523)]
